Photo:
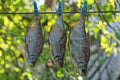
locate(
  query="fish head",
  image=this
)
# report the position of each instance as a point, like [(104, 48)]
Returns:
[(32, 60), (59, 59), (82, 69), (60, 63)]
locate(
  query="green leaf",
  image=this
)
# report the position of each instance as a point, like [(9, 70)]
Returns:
[(60, 74)]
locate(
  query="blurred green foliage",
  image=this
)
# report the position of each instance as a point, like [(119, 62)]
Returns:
[(13, 64)]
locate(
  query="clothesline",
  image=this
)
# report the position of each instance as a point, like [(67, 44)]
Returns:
[(63, 12)]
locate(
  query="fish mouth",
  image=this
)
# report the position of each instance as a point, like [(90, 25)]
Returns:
[(82, 71), (33, 63), (32, 60), (59, 61), (60, 64)]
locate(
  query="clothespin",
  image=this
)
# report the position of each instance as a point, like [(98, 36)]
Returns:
[(84, 9), (59, 12), (35, 9)]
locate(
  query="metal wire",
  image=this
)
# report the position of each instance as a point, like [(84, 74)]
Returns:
[(63, 12)]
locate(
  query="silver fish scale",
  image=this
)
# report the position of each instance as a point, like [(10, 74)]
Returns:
[(57, 40), (79, 47), (31, 41), (56, 32)]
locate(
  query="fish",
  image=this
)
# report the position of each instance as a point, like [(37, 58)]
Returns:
[(79, 47), (34, 42), (57, 40)]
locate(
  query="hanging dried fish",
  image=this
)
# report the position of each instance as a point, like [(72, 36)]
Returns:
[(57, 39), (79, 45), (34, 40)]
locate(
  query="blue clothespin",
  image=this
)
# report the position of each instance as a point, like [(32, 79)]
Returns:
[(84, 9), (59, 12), (35, 9)]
